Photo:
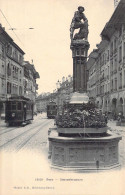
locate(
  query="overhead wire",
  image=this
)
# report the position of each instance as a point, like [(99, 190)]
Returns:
[(13, 30), (11, 27)]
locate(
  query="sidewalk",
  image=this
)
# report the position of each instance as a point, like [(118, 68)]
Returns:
[(112, 125), (2, 123)]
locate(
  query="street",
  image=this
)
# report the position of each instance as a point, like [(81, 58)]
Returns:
[(31, 136), (25, 168), (34, 136)]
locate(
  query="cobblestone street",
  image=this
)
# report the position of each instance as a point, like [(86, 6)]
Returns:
[(25, 164)]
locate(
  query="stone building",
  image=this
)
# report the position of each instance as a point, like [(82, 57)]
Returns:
[(30, 86), (29, 80), (13, 71), (42, 101), (11, 66), (2, 68), (106, 65), (61, 95), (64, 91)]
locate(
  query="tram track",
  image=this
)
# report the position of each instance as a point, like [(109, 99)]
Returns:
[(20, 127), (27, 140), (25, 132), (8, 131)]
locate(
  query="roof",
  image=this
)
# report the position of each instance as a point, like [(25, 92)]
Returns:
[(9, 39), (102, 45), (32, 68), (115, 21)]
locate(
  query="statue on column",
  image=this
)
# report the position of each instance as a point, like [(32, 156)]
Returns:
[(80, 22)]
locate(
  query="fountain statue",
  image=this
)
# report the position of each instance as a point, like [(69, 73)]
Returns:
[(81, 139)]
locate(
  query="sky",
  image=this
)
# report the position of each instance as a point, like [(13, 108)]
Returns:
[(48, 44)]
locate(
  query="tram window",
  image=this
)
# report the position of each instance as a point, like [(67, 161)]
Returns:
[(8, 106), (19, 106), (29, 107), (13, 106)]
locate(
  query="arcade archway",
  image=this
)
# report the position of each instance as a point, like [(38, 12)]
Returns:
[(120, 105), (114, 108)]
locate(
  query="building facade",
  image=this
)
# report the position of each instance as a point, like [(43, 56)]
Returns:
[(29, 80), (61, 95), (106, 64), (11, 66), (12, 74)]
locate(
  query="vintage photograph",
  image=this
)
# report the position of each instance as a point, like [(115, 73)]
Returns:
[(62, 97)]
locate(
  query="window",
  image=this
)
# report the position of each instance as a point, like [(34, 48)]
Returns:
[(124, 77), (20, 90), (124, 49), (120, 53), (115, 83), (8, 106), (120, 86), (13, 106), (19, 106), (16, 55), (115, 44), (8, 87), (115, 64), (2, 84), (120, 31), (9, 50), (111, 49), (112, 84), (77, 52), (3, 51), (108, 55), (8, 70), (20, 59), (82, 51)]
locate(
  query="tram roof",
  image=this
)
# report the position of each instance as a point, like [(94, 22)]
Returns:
[(19, 98)]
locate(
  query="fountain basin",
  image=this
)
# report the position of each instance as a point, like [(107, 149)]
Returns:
[(86, 153)]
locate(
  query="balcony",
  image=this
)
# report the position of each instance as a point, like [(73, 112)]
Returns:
[(2, 75), (120, 61), (111, 54), (8, 72), (15, 77), (115, 71), (111, 73), (115, 51), (119, 68)]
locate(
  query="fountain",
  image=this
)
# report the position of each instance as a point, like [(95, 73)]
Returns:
[(81, 139)]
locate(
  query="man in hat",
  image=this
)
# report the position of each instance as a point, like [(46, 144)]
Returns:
[(76, 21)]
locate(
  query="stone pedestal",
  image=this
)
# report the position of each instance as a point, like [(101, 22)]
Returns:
[(84, 153), (79, 54)]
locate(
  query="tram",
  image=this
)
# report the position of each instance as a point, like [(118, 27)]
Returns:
[(18, 110), (51, 110)]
